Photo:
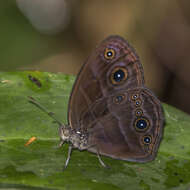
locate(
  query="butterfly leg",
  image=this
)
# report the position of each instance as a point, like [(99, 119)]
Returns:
[(100, 160), (61, 135), (61, 143), (98, 155), (68, 156)]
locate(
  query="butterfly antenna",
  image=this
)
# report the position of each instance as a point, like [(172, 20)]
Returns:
[(37, 104)]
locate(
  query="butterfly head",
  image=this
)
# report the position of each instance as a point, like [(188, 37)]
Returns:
[(75, 137)]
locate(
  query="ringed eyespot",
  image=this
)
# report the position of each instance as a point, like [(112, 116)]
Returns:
[(118, 75), (119, 98), (147, 139), (138, 112), (134, 96), (109, 53), (141, 124), (138, 102)]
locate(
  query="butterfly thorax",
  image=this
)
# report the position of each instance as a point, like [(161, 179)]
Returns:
[(77, 138)]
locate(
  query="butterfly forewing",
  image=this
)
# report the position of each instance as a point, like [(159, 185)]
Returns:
[(96, 77)]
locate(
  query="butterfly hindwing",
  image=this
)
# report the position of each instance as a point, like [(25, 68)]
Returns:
[(131, 128)]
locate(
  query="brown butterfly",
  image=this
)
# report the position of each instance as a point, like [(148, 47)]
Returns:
[(110, 111)]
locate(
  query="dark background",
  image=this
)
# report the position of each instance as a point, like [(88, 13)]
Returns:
[(58, 35)]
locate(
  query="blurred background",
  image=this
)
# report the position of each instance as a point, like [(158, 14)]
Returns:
[(58, 35)]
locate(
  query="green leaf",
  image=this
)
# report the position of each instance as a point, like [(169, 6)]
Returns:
[(40, 165)]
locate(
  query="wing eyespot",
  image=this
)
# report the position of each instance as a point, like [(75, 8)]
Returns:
[(109, 53), (135, 96), (141, 124), (119, 99), (118, 75), (138, 103), (147, 139), (138, 112)]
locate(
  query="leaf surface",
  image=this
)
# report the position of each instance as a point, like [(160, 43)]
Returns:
[(40, 164)]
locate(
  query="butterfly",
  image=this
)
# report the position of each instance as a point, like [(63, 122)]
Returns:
[(111, 112)]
